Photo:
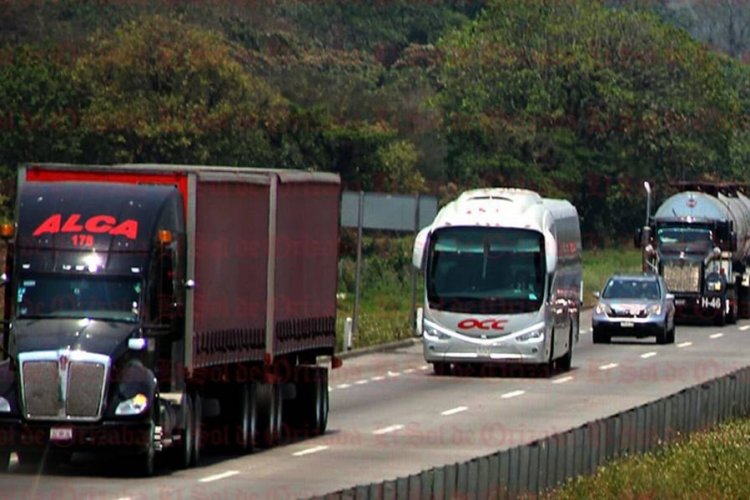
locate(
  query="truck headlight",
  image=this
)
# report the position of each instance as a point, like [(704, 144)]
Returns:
[(531, 337), (655, 309), (4, 405), (133, 406)]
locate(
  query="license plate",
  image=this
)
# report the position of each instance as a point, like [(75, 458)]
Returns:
[(483, 352), (60, 434), (627, 324)]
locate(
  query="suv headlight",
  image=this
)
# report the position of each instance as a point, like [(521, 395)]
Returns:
[(654, 309)]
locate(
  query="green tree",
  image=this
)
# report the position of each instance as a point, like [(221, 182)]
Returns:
[(579, 100), (163, 91)]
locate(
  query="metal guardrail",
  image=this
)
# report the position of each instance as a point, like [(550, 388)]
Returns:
[(531, 469)]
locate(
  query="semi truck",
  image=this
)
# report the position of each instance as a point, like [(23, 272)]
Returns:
[(503, 283), (152, 308), (699, 241)]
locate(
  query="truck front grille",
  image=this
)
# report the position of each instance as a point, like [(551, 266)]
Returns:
[(683, 276), (63, 385)]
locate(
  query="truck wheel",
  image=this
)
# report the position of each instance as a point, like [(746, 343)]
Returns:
[(195, 456), (183, 453), (145, 462)]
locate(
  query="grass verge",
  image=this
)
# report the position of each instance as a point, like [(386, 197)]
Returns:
[(713, 464)]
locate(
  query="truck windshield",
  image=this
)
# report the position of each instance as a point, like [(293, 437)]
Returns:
[(486, 270), (685, 239), (94, 297)]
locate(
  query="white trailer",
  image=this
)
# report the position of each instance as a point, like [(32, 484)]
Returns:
[(502, 270)]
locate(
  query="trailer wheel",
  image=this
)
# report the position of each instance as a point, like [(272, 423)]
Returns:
[(324, 403), (195, 455), (269, 403), (248, 417)]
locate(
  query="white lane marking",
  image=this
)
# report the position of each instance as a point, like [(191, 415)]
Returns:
[(424, 367), (343, 386), (330, 388), (387, 430), (685, 344), (310, 451), (648, 355), (513, 394), (609, 366), (217, 477), (584, 332), (361, 382), (562, 380), (410, 370), (744, 328), (453, 411), (716, 335), (378, 378), (393, 374)]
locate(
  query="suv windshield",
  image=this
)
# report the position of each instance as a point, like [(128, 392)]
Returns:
[(685, 239), (95, 297), (622, 288), (486, 270)]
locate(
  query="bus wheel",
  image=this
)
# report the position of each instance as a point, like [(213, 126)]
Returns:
[(566, 361)]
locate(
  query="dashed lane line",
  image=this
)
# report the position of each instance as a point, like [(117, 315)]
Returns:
[(343, 386), (609, 366), (563, 380), (513, 394), (684, 344), (388, 430), (453, 411), (744, 328), (310, 451), (647, 355), (717, 335), (361, 382), (217, 477)]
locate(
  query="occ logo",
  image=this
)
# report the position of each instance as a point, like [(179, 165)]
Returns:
[(487, 324)]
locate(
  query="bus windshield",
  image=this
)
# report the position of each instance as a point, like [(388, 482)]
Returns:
[(113, 298), (486, 270)]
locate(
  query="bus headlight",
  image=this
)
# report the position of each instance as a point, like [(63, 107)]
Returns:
[(435, 334), (531, 337)]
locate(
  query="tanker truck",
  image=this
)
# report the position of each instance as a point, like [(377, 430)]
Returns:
[(153, 308), (503, 284), (699, 241)]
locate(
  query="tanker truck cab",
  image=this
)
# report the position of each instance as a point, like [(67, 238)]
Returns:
[(502, 280), (692, 241), (95, 306)]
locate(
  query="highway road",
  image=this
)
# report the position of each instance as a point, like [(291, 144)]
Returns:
[(391, 416)]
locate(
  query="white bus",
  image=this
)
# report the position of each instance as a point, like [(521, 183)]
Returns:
[(503, 284)]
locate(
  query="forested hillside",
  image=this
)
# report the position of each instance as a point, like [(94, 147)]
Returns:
[(574, 98)]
